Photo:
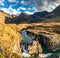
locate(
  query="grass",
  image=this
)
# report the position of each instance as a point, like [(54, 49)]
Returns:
[(2, 56)]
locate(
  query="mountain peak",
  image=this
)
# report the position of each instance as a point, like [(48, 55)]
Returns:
[(57, 9)]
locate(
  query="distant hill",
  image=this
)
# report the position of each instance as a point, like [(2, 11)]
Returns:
[(40, 14), (36, 17), (26, 18)]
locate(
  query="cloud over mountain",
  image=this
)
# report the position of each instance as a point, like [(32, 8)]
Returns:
[(48, 5), (28, 6)]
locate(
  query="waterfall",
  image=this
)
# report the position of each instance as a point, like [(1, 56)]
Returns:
[(26, 39)]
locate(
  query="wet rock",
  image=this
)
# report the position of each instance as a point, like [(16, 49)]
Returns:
[(51, 41), (25, 55), (35, 48)]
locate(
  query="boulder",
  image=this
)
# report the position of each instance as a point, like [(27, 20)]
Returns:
[(51, 41), (35, 48)]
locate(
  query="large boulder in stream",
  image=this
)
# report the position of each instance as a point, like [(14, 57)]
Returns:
[(35, 48)]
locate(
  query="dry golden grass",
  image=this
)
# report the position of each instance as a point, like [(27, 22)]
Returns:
[(49, 28)]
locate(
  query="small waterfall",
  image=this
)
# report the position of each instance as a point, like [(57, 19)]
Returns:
[(24, 49), (24, 46)]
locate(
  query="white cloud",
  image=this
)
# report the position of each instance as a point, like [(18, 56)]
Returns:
[(23, 8), (28, 12), (48, 5), (14, 11), (12, 0), (1, 3), (1, 0), (42, 5), (10, 11), (22, 2), (34, 8), (5, 10)]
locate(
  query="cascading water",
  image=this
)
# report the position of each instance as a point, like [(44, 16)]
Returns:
[(26, 39)]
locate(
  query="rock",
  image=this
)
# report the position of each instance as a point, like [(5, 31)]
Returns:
[(25, 55), (35, 48), (51, 41)]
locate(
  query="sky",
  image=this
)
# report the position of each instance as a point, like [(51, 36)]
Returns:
[(28, 6)]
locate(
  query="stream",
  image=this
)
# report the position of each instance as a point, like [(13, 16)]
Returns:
[(27, 39)]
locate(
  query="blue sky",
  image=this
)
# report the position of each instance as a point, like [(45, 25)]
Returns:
[(17, 6), (27, 6)]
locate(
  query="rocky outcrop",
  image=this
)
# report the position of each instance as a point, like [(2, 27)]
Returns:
[(57, 10), (51, 41), (35, 48), (48, 39)]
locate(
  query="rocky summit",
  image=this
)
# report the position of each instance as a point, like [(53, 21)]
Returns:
[(22, 36)]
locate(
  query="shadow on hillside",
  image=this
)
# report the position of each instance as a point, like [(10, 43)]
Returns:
[(13, 21), (16, 20), (21, 20)]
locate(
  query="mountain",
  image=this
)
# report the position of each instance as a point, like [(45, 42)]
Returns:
[(23, 17), (53, 16), (40, 14), (26, 18), (36, 17), (57, 10)]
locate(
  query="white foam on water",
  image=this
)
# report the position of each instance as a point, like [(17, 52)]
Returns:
[(45, 55), (25, 52), (25, 55)]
